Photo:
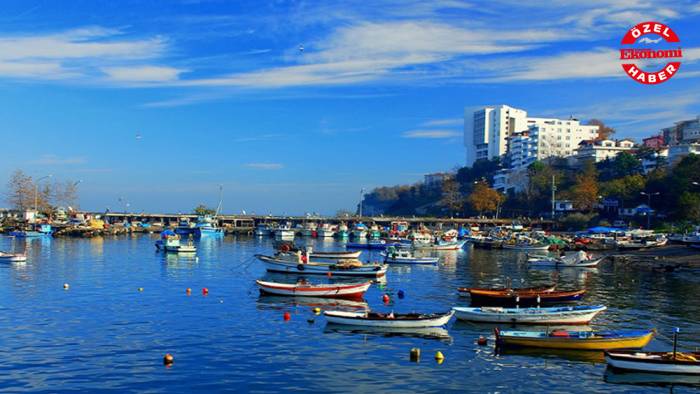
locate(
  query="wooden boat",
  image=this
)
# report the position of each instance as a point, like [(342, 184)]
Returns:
[(12, 257), (441, 245), (521, 298), (394, 320), (554, 315), (525, 247), (658, 362), (336, 290), (581, 340), (580, 259), (621, 376), (341, 268), (466, 291), (339, 255), (398, 256)]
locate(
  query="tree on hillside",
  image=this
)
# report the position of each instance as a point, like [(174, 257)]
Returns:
[(485, 199), (451, 199), (622, 165), (626, 188), (689, 206), (604, 132), (203, 210), (20, 191), (584, 193)]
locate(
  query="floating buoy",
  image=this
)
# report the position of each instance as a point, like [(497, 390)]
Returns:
[(188, 291), (482, 341), (287, 316), (140, 288), (317, 311), (401, 294), (66, 286), (310, 321), (415, 354), (196, 259), (168, 359), (205, 291), (386, 298), (439, 357)]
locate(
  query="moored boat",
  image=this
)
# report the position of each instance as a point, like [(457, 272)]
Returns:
[(580, 259), (523, 298), (336, 290), (657, 362), (366, 245), (170, 242), (466, 291), (360, 231), (325, 231), (336, 255), (284, 232), (341, 268), (402, 256), (206, 226), (552, 315), (262, 230), (12, 257), (396, 320), (580, 340)]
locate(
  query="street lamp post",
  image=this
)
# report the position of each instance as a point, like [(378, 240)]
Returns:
[(36, 191), (362, 198), (649, 206)]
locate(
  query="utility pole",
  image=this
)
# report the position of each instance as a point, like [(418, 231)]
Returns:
[(362, 198), (649, 206), (554, 190)]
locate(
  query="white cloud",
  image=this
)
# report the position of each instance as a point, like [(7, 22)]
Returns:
[(143, 73), (444, 122), (265, 166), (433, 134)]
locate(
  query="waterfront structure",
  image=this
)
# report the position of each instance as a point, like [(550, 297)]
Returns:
[(486, 131), (683, 132), (602, 150)]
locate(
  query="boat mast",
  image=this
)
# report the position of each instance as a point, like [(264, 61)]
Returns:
[(221, 199)]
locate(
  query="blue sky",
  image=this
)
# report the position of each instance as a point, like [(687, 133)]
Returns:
[(160, 102)]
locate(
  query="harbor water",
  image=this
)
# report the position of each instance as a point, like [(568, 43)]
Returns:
[(126, 307)]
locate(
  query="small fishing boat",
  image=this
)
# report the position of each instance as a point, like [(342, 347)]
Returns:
[(336, 255), (580, 340), (448, 245), (342, 232), (325, 231), (395, 320), (467, 291), (184, 227), (580, 259), (336, 290), (553, 315), (33, 231), (366, 245), (520, 298), (658, 362), (262, 230), (170, 242), (360, 231), (374, 232), (341, 268), (284, 232), (402, 256), (629, 377), (309, 229), (642, 242), (12, 257), (206, 226)]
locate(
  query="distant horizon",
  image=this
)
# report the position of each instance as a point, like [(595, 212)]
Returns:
[(297, 107)]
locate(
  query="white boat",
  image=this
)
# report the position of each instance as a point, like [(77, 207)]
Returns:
[(336, 255), (284, 232), (642, 242), (170, 242), (335, 290), (421, 239), (341, 268), (325, 231), (580, 259), (403, 256), (12, 257), (309, 229), (262, 230), (656, 362), (360, 231), (398, 320), (553, 315)]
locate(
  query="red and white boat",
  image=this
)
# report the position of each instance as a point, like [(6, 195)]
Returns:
[(334, 290)]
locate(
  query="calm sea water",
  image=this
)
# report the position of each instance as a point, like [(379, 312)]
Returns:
[(104, 335)]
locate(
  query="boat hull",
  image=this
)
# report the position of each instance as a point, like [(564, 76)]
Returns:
[(356, 319), (635, 361), (549, 342), (556, 263), (572, 315), (336, 255), (349, 291), (287, 267)]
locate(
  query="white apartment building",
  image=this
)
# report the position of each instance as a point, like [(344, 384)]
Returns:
[(548, 137), (602, 150), (486, 131), (676, 153), (499, 130)]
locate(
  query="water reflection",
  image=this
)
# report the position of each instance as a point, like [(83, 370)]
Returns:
[(423, 332)]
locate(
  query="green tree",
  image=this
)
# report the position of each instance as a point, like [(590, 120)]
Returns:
[(689, 206), (203, 210), (452, 198)]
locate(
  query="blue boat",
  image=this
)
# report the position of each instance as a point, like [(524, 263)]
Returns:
[(367, 245), (34, 231), (204, 227)]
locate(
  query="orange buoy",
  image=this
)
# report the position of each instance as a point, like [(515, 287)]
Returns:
[(386, 298), (482, 341), (205, 291), (168, 359), (188, 291), (287, 316)]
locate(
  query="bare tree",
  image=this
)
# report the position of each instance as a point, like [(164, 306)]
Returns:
[(66, 194), (20, 191)]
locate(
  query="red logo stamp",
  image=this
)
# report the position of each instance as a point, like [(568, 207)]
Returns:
[(637, 35)]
